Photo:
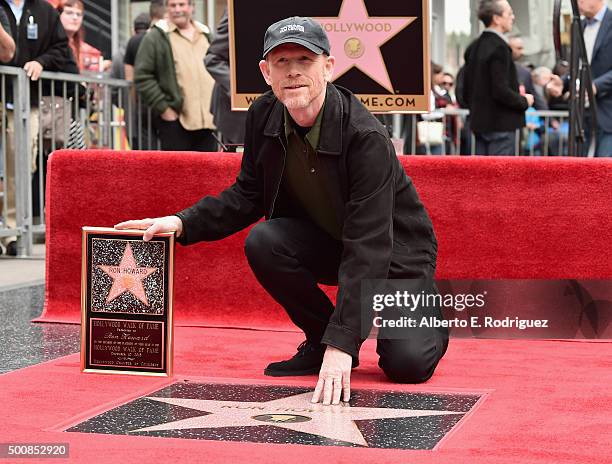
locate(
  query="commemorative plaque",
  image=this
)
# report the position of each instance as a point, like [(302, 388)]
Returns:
[(126, 302)]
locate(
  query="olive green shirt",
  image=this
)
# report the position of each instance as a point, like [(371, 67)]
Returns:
[(301, 177)]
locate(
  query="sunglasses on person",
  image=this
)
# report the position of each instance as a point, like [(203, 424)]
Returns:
[(448, 84)]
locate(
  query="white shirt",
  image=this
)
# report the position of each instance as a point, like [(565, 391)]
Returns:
[(17, 10), (591, 29)]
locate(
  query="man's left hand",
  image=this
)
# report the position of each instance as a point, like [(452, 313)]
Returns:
[(334, 377), (33, 69)]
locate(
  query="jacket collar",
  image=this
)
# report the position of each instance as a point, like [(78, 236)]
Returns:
[(497, 33), (330, 140), (167, 26)]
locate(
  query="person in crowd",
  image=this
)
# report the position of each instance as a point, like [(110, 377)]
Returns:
[(230, 123), (430, 126), (171, 78), (448, 82), (546, 84), (7, 44), (120, 97), (437, 74), (144, 134), (45, 47), (446, 99), (561, 103), (550, 87), (465, 144), (524, 73), (88, 58), (342, 210), (598, 42), (157, 12), (141, 25), (7, 51), (491, 87)]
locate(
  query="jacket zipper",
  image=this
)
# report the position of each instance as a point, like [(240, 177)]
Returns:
[(280, 179)]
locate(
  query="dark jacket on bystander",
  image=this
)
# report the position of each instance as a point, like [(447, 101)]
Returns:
[(490, 86)]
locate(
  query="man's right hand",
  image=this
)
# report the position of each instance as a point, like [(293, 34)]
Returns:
[(169, 115), (530, 99), (154, 226)]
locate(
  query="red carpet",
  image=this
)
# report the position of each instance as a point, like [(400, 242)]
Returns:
[(546, 402), (501, 217)]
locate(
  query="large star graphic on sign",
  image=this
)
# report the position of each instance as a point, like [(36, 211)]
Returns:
[(293, 412), (356, 37), (127, 277)]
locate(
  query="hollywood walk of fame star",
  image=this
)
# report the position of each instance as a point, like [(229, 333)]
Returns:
[(293, 412), (127, 277), (356, 37)]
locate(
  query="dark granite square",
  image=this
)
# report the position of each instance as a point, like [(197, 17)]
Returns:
[(284, 415)]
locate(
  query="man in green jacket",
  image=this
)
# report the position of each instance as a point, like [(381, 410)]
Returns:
[(171, 78)]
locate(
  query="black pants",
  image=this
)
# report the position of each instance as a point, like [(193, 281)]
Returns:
[(291, 256), (496, 143), (174, 137)]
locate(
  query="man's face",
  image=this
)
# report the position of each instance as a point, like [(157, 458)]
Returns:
[(298, 77), (590, 8), (506, 19), (517, 47), (437, 78), (448, 82), (179, 12)]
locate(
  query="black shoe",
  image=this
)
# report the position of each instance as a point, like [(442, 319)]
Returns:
[(11, 248), (306, 361)]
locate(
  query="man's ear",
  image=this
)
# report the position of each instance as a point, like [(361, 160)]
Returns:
[(265, 71), (329, 68)]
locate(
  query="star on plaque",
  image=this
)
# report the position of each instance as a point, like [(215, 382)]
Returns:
[(127, 277), (356, 37)]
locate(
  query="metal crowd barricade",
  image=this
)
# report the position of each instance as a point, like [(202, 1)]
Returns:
[(76, 111), (59, 110), (15, 220), (551, 131), (546, 134)]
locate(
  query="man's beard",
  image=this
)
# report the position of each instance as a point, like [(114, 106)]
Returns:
[(302, 101), (294, 103)]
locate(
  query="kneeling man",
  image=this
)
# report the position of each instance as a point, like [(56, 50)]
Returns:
[(339, 209)]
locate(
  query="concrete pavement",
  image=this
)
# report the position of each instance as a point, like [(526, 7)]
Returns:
[(19, 272)]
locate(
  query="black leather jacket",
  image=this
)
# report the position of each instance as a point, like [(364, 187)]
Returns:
[(372, 196)]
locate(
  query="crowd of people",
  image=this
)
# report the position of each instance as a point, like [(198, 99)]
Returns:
[(502, 91)]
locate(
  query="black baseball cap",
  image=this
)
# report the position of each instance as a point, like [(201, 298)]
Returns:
[(142, 22), (298, 30)]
